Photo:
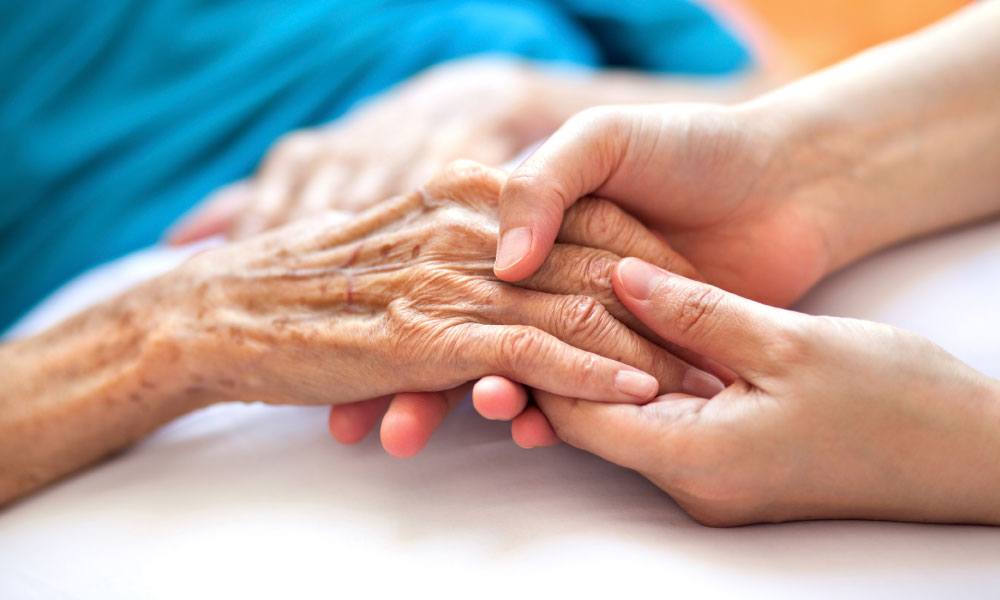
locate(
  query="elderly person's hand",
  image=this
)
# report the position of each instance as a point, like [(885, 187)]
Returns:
[(334, 310), (826, 417), (482, 109), (403, 297)]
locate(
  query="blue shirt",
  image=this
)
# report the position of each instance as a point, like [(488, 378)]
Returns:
[(117, 116)]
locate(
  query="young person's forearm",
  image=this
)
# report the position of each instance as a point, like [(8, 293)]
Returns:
[(908, 132), (561, 93), (87, 388)]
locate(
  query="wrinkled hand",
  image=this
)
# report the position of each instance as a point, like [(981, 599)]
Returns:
[(403, 298), (478, 109), (827, 417), (593, 237)]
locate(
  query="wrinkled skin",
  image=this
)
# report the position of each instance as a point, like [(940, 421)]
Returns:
[(479, 109), (335, 310), (403, 298)]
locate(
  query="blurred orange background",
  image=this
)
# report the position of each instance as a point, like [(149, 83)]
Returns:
[(798, 36)]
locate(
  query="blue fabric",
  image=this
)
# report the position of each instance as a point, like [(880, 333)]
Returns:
[(117, 116)]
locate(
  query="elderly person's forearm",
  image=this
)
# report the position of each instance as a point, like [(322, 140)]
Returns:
[(325, 311), (89, 387)]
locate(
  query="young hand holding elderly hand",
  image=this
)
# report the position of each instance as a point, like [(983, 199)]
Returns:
[(822, 417)]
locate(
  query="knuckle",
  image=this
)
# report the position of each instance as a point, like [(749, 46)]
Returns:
[(593, 221), (295, 145), (519, 347), (467, 182), (597, 271), (697, 307), (584, 316)]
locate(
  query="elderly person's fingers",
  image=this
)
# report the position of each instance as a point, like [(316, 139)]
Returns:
[(322, 190), (212, 217), (284, 170), (598, 223), (541, 360), (584, 323)]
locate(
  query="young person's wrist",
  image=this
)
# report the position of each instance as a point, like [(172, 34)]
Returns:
[(830, 166)]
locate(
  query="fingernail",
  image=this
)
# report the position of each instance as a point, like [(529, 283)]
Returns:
[(634, 383), (514, 245), (699, 383), (638, 277)]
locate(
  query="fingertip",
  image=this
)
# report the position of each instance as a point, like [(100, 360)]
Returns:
[(498, 399), (342, 428), (531, 429), (410, 421), (351, 423), (515, 254)]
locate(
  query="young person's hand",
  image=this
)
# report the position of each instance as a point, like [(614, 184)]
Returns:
[(716, 182), (767, 197), (826, 417)]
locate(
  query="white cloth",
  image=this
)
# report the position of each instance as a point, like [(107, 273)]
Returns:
[(255, 501)]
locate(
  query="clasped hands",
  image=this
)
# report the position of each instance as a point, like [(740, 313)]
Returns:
[(815, 417), (653, 340)]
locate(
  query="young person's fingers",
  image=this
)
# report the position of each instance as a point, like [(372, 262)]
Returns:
[(531, 429), (542, 361), (350, 423), (625, 434), (739, 333), (571, 164), (584, 322), (412, 418), (498, 399)]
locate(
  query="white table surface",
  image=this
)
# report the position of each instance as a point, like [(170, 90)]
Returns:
[(258, 502)]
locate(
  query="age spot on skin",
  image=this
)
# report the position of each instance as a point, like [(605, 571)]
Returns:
[(354, 255), (227, 383), (349, 289), (134, 398)]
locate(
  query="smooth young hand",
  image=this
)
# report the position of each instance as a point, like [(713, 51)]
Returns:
[(826, 418)]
